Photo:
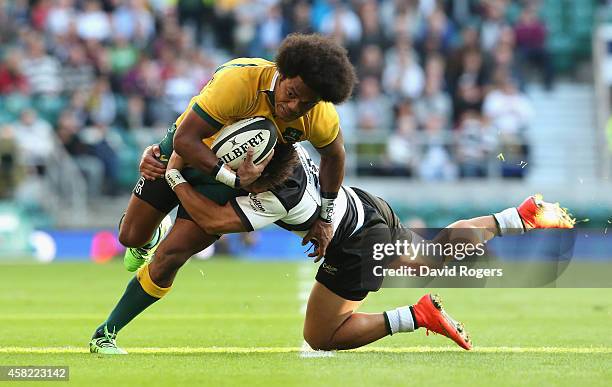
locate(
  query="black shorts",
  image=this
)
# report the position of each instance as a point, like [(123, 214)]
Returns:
[(344, 270)]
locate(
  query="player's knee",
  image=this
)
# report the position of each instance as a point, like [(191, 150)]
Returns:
[(317, 342), (128, 238)]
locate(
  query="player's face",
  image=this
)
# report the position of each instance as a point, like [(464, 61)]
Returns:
[(293, 99)]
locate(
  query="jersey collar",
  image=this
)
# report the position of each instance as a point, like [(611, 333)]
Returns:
[(273, 83), (270, 91)]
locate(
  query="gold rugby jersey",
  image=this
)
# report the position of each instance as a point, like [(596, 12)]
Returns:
[(243, 88)]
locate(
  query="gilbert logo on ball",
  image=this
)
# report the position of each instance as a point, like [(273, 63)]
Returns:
[(234, 140)]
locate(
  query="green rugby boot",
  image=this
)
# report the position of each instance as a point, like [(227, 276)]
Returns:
[(135, 257), (106, 345)]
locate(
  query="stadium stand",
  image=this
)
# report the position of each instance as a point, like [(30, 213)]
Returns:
[(438, 78)]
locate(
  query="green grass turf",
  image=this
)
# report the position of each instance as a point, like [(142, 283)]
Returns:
[(256, 306)]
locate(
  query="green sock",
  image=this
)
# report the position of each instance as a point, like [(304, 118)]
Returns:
[(131, 304)]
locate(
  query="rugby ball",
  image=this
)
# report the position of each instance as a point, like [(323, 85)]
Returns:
[(234, 140)]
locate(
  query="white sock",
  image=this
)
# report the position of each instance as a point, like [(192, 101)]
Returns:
[(400, 319), (509, 222)]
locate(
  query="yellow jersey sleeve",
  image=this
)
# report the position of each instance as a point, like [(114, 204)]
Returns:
[(325, 125), (228, 95)]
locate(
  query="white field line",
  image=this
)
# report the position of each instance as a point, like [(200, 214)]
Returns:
[(194, 316), (277, 350)]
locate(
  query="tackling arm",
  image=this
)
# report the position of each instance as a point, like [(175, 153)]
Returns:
[(331, 174), (331, 171), (213, 218)]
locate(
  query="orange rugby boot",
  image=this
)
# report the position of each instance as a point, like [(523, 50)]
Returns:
[(430, 314), (536, 213)]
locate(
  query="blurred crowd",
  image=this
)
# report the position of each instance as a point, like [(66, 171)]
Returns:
[(441, 88)]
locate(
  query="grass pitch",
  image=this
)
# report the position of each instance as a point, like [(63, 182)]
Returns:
[(233, 322)]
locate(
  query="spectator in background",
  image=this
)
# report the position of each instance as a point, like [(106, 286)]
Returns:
[(8, 24), (402, 151), (374, 109), (93, 23), (469, 85), (144, 80), (122, 55), (457, 59), (97, 138), (371, 62), (403, 77), (342, 24), (101, 105), (106, 59), (437, 35), (68, 132), (504, 59), (12, 79), (400, 18), (78, 106), (132, 21), (372, 34), (509, 112), (41, 70), (38, 13), (180, 87), (301, 16), (475, 141), (493, 24), (348, 116), (18, 12), (434, 100), (271, 31), (9, 162), (100, 57), (136, 114), (531, 43), (436, 162), (508, 109), (35, 141), (77, 73), (468, 98), (61, 17)]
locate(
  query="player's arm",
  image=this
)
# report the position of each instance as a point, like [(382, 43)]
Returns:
[(213, 218), (331, 174), (188, 142), (245, 213)]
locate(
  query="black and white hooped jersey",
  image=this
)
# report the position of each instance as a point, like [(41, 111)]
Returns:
[(297, 203)]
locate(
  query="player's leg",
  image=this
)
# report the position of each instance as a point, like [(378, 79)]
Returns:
[(139, 223), (332, 322), (145, 221), (151, 283), (534, 212)]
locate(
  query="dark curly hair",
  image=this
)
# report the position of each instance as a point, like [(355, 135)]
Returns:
[(279, 169), (322, 64)]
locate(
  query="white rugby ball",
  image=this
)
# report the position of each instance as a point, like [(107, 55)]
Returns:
[(234, 140)]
